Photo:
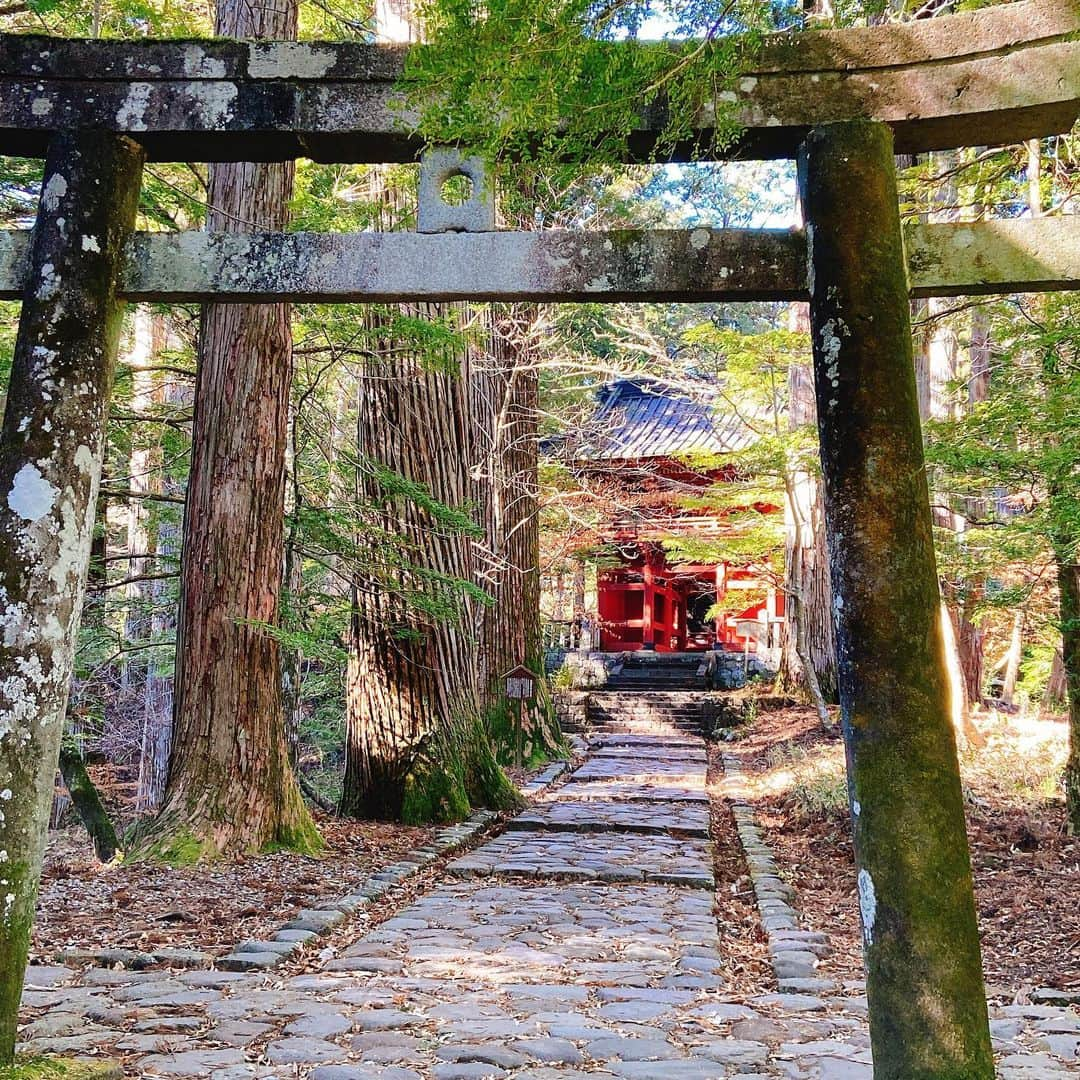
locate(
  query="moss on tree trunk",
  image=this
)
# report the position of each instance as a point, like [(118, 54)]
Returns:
[(454, 771), (1069, 592), (928, 1017), (88, 804), (51, 450)]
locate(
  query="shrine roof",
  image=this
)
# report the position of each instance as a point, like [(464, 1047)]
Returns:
[(643, 418)]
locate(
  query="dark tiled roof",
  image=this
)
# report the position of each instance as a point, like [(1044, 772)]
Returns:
[(638, 419)]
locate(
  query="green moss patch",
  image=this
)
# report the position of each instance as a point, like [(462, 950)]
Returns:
[(455, 773), (176, 849), (54, 1068)]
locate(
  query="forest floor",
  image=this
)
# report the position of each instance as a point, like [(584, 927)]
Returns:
[(1027, 870), (85, 905)]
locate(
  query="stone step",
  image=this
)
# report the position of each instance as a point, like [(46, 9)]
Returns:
[(629, 727), (637, 790), (618, 682), (673, 696), (695, 754), (631, 739), (645, 718), (657, 715), (609, 857), (646, 709), (645, 727), (565, 814)]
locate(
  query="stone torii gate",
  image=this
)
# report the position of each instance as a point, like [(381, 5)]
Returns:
[(841, 101)]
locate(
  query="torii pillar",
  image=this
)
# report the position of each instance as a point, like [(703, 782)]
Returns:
[(928, 1016), (51, 447)]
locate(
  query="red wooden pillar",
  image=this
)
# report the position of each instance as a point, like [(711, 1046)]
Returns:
[(678, 598), (648, 641), (721, 592)]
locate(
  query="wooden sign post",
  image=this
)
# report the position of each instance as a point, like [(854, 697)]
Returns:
[(520, 687)]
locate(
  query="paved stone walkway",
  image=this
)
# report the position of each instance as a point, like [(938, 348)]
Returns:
[(581, 944)]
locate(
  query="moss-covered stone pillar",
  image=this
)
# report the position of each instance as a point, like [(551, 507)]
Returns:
[(51, 448), (928, 1014)]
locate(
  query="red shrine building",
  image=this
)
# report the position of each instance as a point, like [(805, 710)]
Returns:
[(650, 452)]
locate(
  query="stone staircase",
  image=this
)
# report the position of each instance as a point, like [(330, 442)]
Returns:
[(646, 695), (647, 712), (657, 671)]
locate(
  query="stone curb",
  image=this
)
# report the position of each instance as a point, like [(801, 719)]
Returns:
[(793, 951), (311, 924)]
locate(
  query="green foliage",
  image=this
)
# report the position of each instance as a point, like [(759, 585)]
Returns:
[(540, 80), (116, 19), (752, 373), (9, 325), (353, 198), (813, 781), (1013, 459), (562, 678), (393, 485)]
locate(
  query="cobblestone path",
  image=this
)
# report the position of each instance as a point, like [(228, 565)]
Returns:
[(580, 944)]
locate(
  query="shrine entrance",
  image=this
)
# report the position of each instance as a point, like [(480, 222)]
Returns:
[(646, 604)]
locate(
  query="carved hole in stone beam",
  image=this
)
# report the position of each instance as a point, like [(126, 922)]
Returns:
[(457, 189), (454, 195)]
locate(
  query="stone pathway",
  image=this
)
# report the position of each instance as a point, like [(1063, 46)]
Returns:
[(581, 944)]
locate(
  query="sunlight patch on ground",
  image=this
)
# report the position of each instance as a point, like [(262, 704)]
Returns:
[(1022, 761), (1021, 764)]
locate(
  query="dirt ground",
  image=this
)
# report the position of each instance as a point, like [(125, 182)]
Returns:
[(744, 943), (83, 904), (1027, 870)]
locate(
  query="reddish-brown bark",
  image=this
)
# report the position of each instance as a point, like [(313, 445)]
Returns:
[(230, 786)]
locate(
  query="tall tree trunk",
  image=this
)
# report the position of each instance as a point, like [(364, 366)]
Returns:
[(143, 462), (1069, 591), (580, 638), (416, 747), (927, 1004), (505, 403), (292, 660), (960, 678), (798, 608), (149, 688), (937, 367), (1013, 658), (979, 379), (1056, 693), (808, 640), (158, 697), (231, 788), (88, 804)]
